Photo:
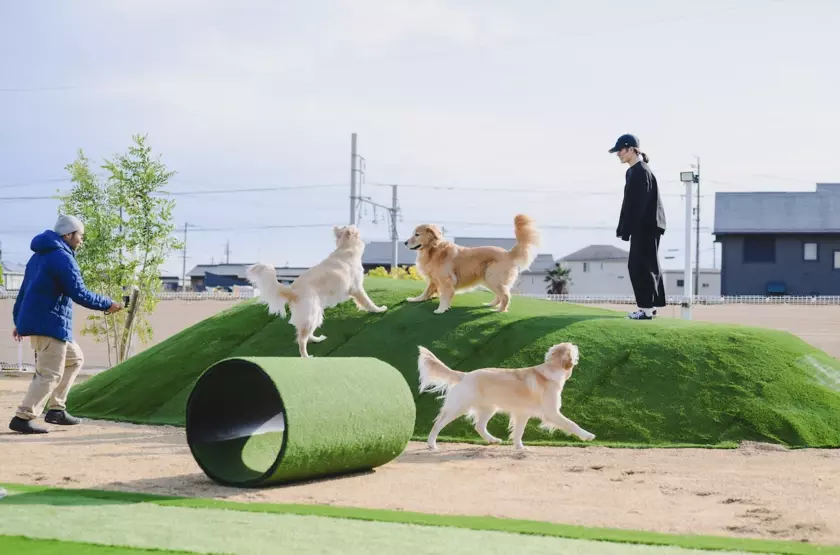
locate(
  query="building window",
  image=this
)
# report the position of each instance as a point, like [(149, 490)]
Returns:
[(837, 260), (585, 267), (705, 285), (759, 249), (810, 252), (680, 283)]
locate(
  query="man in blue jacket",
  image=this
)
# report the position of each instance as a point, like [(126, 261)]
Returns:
[(43, 312)]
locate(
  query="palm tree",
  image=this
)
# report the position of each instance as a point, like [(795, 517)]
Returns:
[(558, 280)]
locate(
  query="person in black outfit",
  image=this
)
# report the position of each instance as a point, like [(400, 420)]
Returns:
[(642, 222)]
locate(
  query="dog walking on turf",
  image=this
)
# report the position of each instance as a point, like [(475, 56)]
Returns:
[(449, 268), (523, 393), (332, 281)]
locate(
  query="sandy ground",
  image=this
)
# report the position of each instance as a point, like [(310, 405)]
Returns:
[(755, 491), (815, 324)]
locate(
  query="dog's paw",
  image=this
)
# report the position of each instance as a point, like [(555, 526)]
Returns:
[(414, 299), (494, 441), (587, 436), (432, 446), (382, 308), (520, 447), (441, 310)]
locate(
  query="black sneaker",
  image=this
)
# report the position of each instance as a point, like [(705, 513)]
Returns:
[(639, 315), (62, 418), (25, 426)]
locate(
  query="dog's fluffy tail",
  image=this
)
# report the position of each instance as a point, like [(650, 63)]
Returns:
[(272, 292), (435, 375), (527, 241)]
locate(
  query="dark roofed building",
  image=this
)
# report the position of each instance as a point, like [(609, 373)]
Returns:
[(379, 253), (778, 243), (226, 276)]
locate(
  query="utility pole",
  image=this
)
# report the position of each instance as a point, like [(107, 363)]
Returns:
[(352, 179), (393, 215), (184, 256), (227, 252), (357, 175), (395, 237), (697, 240)]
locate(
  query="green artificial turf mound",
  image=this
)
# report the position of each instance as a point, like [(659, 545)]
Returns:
[(661, 382), (255, 421), (210, 525)]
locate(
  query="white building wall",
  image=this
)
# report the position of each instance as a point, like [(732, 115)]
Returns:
[(531, 284), (708, 284), (599, 278)]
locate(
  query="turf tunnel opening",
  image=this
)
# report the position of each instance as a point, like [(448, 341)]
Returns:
[(254, 421), (235, 422)]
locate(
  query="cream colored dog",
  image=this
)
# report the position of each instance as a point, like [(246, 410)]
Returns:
[(523, 393), (337, 278), (448, 267)]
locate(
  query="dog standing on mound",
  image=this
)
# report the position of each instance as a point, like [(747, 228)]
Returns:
[(448, 267), (522, 393), (332, 281)]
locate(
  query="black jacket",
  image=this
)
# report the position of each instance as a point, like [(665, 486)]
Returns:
[(641, 210)]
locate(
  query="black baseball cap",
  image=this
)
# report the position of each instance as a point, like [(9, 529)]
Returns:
[(625, 141)]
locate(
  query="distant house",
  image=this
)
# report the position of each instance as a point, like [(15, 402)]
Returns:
[(779, 243), (12, 276), (226, 276), (169, 283), (380, 253), (708, 284), (598, 270)]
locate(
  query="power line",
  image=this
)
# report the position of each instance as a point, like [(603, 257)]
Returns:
[(515, 190), (35, 182)]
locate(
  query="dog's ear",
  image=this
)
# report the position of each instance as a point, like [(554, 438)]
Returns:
[(434, 231), (337, 230)]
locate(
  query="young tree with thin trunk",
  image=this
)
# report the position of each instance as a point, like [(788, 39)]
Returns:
[(128, 236)]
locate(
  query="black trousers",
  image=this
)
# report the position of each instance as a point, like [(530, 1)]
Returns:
[(645, 273)]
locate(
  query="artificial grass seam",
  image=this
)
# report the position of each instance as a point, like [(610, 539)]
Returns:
[(480, 523), (42, 546)]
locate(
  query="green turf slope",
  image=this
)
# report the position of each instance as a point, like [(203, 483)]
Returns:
[(658, 382)]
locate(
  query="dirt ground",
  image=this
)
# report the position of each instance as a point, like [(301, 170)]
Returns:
[(755, 491)]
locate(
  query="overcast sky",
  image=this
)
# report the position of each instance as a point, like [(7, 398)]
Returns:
[(524, 96)]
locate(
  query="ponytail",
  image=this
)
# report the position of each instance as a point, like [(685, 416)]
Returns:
[(644, 156)]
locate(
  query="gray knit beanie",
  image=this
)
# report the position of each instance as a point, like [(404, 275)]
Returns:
[(68, 224)]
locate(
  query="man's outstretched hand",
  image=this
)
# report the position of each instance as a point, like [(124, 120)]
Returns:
[(17, 337), (115, 307)]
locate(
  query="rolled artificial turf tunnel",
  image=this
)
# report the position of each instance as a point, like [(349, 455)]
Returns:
[(255, 421)]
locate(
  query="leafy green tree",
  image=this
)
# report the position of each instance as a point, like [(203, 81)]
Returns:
[(129, 232)]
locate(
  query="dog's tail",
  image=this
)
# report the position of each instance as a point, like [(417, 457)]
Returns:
[(527, 241), (272, 292), (435, 375)]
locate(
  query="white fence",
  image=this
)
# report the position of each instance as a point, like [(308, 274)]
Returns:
[(577, 299), (697, 300)]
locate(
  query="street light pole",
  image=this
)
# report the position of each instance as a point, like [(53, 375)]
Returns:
[(689, 178)]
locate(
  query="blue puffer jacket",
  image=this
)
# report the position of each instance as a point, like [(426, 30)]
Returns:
[(51, 282)]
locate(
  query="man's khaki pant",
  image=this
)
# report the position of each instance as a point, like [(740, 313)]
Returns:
[(56, 367)]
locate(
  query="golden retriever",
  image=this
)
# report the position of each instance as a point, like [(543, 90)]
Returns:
[(448, 267), (522, 393), (335, 279)]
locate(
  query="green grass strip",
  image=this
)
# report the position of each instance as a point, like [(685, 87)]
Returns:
[(204, 530), (54, 496), (31, 546)]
